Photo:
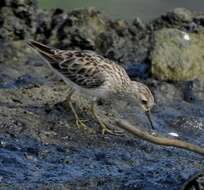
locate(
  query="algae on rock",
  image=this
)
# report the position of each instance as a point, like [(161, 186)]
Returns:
[(178, 55)]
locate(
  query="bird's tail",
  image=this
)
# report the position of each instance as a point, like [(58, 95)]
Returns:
[(46, 52)]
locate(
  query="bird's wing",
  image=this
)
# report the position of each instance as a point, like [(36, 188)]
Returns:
[(80, 67), (82, 73)]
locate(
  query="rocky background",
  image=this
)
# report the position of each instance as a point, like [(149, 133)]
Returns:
[(40, 147)]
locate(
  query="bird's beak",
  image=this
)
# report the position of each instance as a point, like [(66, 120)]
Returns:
[(148, 114)]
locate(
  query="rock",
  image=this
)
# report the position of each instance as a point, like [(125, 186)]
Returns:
[(42, 26), (193, 91), (189, 125), (137, 70), (80, 29), (89, 29), (177, 55), (179, 15), (137, 22), (195, 181), (121, 27), (199, 20), (177, 18), (17, 19), (77, 29)]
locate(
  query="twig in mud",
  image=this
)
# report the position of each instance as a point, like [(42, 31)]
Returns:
[(158, 139)]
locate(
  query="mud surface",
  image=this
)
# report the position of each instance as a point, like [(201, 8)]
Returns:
[(40, 145)]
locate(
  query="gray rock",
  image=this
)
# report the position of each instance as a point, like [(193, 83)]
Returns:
[(177, 55), (180, 15), (177, 18)]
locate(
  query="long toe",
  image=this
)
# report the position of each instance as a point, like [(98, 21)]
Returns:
[(107, 130), (80, 124)]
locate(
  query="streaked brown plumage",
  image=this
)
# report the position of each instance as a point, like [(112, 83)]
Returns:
[(94, 75)]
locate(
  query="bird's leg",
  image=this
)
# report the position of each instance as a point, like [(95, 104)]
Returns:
[(78, 121), (69, 96), (103, 125)]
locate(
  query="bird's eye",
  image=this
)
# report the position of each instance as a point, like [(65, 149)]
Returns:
[(144, 102)]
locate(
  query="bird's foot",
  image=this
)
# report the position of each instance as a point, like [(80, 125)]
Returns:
[(107, 130), (80, 123)]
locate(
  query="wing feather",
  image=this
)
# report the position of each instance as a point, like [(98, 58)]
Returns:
[(81, 67), (81, 73)]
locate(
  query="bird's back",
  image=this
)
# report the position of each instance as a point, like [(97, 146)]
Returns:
[(86, 69)]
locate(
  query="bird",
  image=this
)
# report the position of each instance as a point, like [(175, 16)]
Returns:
[(96, 77)]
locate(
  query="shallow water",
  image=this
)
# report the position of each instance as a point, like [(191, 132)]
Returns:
[(127, 9)]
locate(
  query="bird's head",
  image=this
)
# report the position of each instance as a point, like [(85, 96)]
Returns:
[(144, 98), (143, 95)]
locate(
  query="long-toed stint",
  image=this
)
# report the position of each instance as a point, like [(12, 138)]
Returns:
[(94, 76)]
